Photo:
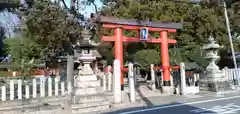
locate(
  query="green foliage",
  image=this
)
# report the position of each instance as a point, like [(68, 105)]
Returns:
[(147, 57), (107, 53), (199, 22), (235, 17), (52, 27), (22, 48), (175, 56), (24, 52), (197, 56)]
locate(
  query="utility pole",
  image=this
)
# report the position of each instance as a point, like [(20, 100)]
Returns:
[(229, 34)]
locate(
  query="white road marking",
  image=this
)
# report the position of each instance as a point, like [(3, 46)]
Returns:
[(178, 105), (227, 109), (193, 96)]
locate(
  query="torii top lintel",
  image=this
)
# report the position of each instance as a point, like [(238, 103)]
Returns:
[(132, 24)]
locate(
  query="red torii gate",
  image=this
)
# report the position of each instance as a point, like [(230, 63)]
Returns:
[(125, 24)]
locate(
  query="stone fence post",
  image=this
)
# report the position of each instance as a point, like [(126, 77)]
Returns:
[(116, 81), (131, 82), (183, 78), (109, 78), (153, 85), (70, 68), (104, 81)]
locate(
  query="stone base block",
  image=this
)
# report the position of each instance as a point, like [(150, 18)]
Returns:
[(86, 78), (192, 90), (215, 86), (88, 91), (90, 104), (91, 109), (89, 98), (167, 89), (88, 84)]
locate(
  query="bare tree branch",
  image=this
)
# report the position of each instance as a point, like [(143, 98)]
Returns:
[(95, 7), (64, 4)]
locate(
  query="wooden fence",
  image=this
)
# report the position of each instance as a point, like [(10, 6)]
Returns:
[(232, 75), (26, 89)]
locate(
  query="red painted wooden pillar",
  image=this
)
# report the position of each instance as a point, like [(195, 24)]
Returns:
[(165, 58), (118, 50)]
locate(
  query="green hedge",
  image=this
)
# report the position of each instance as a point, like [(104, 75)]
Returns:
[(5, 73), (17, 67)]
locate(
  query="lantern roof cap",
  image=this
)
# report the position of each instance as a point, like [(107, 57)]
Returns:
[(86, 44)]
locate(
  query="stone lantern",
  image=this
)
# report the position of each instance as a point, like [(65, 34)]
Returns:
[(86, 57), (86, 81), (213, 79)]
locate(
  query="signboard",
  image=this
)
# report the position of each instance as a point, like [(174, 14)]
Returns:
[(143, 33)]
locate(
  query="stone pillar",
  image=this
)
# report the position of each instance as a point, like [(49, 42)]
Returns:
[(183, 78), (117, 81), (104, 82), (153, 85), (109, 78), (131, 82), (70, 68), (135, 75)]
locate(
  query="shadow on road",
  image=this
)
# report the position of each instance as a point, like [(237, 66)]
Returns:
[(140, 94), (145, 99), (171, 108)]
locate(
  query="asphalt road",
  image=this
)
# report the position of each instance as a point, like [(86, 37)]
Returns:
[(221, 105)]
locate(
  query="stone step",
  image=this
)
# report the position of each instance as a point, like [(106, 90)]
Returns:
[(90, 104), (90, 98), (91, 110)]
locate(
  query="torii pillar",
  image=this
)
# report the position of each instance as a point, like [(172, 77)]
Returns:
[(165, 58)]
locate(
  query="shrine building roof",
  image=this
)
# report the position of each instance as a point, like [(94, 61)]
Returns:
[(135, 22)]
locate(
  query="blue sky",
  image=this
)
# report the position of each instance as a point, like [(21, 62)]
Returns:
[(9, 21), (89, 9)]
